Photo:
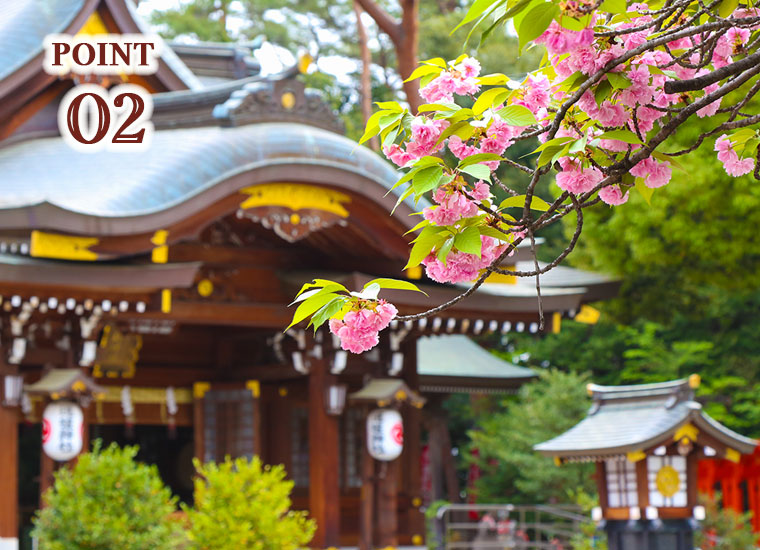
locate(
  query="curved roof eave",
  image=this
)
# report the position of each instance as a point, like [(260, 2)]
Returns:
[(46, 184)]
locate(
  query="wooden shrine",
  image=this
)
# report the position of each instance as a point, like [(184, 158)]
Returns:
[(647, 441), (165, 276)]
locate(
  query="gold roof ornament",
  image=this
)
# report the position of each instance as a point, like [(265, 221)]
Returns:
[(385, 392), (65, 384)]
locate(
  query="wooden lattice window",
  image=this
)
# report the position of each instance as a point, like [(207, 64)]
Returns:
[(621, 483)]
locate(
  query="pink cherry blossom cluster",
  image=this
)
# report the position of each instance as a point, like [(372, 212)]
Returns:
[(359, 328), (453, 205), (459, 79), (733, 165), (425, 133), (462, 267)]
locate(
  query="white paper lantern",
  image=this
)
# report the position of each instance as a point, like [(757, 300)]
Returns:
[(62, 426), (385, 434)]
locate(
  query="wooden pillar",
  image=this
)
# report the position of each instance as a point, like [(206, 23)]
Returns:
[(367, 511), (324, 487), (415, 519), (9, 478), (199, 391), (387, 504)]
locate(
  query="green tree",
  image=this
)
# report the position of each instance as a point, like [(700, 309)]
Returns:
[(108, 501), (512, 470), (241, 504)]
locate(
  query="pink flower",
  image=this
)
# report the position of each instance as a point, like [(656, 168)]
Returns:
[(655, 174), (462, 267), (469, 67), (736, 167), (613, 195), (440, 89), (397, 155), (559, 40), (576, 179), (358, 330), (537, 92), (711, 108), (583, 60), (460, 149), (731, 163), (480, 191)]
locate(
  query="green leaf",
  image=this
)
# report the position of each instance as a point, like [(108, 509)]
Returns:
[(727, 7), (602, 91), (517, 115), (443, 252), (626, 136), (536, 22), (327, 311), (309, 306), (426, 179), (480, 171), (519, 6), (573, 24), (469, 241), (489, 98), (536, 203), (428, 107), (489, 231), (618, 81), (479, 157), (643, 190), (394, 284), (550, 153), (553, 143), (417, 227), (496, 79), (389, 106), (372, 128), (406, 177), (614, 6), (437, 61), (477, 9), (429, 238), (423, 70), (320, 283)]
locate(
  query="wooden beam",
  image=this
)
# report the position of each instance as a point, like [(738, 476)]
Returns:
[(324, 486), (9, 479)]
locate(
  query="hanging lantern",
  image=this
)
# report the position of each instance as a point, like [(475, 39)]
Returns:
[(62, 426), (385, 434)]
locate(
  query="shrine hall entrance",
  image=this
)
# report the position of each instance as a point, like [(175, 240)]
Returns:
[(170, 451)]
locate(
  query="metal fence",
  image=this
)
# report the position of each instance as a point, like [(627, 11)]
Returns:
[(505, 527)]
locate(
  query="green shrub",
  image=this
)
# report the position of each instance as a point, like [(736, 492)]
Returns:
[(724, 529), (107, 502), (241, 504)]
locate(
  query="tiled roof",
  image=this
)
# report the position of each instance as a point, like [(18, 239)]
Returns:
[(25, 23), (456, 355), (180, 164), (634, 418)]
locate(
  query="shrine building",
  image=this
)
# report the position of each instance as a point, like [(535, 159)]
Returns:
[(153, 286)]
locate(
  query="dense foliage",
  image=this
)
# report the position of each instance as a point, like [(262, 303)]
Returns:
[(108, 501), (512, 471), (724, 529), (242, 504)]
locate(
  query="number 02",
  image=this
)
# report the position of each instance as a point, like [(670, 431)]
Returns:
[(91, 118)]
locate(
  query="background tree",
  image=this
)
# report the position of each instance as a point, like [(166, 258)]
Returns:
[(512, 471)]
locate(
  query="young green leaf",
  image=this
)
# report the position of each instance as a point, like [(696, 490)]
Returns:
[(536, 22), (626, 136), (489, 98), (423, 70), (618, 81), (394, 284), (517, 115), (426, 179), (643, 190), (429, 238), (327, 311), (469, 241), (443, 252), (309, 306), (480, 171), (479, 157)]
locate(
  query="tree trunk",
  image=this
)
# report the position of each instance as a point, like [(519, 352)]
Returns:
[(406, 51), (366, 80)]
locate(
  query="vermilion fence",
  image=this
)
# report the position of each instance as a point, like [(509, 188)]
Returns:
[(738, 483)]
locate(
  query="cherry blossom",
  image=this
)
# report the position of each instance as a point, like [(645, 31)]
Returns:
[(358, 330)]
